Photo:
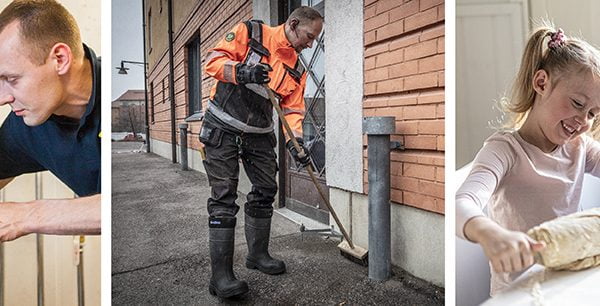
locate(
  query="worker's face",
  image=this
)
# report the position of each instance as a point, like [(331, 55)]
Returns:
[(33, 91), (304, 34)]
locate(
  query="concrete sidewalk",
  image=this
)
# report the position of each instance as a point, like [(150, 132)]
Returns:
[(160, 248)]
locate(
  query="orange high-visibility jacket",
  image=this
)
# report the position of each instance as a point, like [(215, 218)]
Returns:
[(234, 48)]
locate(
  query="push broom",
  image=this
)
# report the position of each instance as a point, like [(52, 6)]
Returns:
[(347, 248)]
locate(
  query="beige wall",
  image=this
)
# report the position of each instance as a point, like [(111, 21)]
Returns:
[(490, 36), (20, 263)]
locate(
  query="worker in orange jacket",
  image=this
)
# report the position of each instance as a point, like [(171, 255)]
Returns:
[(238, 123)]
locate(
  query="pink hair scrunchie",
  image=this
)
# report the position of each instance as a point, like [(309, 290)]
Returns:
[(557, 39)]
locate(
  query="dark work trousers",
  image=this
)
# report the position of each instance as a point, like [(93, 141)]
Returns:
[(223, 151)]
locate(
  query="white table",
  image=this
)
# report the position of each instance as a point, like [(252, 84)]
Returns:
[(555, 288)]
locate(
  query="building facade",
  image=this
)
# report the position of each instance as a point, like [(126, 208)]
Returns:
[(128, 112), (383, 58)]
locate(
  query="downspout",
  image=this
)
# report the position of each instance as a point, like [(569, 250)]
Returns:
[(146, 78), (172, 84)]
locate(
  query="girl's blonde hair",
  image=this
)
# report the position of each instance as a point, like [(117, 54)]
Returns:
[(565, 55)]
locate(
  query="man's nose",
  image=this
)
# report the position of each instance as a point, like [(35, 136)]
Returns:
[(310, 43), (6, 98)]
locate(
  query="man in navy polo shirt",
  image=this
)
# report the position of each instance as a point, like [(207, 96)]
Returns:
[(51, 81)]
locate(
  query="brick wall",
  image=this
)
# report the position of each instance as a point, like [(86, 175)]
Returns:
[(212, 19), (404, 77)]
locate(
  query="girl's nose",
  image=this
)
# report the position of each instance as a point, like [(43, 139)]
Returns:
[(6, 99)]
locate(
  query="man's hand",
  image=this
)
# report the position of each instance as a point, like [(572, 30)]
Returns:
[(80, 216), (508, 251), (303, 159), (12, 216), (258, 73)]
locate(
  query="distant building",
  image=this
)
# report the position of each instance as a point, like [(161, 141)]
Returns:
[(128, 112)]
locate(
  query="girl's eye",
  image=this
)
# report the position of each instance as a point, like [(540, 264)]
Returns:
[(576, 104), (591, 115)]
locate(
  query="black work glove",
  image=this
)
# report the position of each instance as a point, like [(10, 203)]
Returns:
[(304, 160), (258, 73)]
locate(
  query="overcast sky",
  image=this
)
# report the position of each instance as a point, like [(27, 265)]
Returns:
[(127, 44)]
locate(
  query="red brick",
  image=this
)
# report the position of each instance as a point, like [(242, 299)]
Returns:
[(370, 37), (369, 63), (395, 169), (420, 50), (421, 81), (375, 102), (422, 201), (405, 10), (389, 111), (403, 156), (376, 49), (369, 112), (428, 97), (431, 158), (388, 86), (405, 183), (441, 78), (431, 189), (404, 69), (390, 30), (422, 142), (440, 174), (435, 127), (432, 63), (435, 32), (389, 58), (396, 196), (421, 19), (386, 5), (369, 2), (441, 47), (376, 22), (419, 112), (376, 74), (441, 13), (370, 11), (370, 89), (407, 127), (441, 143), (439, 112), (404, 41), (425, 4), (404, 99)]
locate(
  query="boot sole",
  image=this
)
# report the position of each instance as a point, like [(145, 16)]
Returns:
[(227, 294), (252, 265)]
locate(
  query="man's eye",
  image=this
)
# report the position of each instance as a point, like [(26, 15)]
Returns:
[(576, 104), (591, 115)]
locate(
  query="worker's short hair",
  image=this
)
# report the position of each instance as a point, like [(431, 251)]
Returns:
[(42, 24), (305, 14)]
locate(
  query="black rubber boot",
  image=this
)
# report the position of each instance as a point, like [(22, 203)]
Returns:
[(257, 235), (221, 239)]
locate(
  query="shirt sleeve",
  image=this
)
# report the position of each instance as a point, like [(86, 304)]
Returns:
[(489, 167), (13, 160), (230, 51), (592, 156), (294, 109)]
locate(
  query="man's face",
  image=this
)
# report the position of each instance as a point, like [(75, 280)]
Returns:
[(33, 91), (304, 34)]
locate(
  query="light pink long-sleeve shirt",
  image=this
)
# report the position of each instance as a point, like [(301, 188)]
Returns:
[(523, 186)]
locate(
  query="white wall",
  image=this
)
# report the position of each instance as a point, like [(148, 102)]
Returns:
[(344, 88)]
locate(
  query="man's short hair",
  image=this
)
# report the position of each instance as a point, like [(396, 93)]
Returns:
[(42, 24), (305, 14)]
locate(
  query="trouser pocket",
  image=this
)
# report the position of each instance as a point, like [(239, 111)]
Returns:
[(211, 135)]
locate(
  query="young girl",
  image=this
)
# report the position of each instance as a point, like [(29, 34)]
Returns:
[(534, 173)]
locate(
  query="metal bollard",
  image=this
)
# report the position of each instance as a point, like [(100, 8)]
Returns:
[(183, 146), (378, 130)]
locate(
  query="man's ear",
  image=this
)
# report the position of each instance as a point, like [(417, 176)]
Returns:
[(62, 58), (294, 23), (541, 82)]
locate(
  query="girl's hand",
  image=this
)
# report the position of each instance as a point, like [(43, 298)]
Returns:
[(508, 251)]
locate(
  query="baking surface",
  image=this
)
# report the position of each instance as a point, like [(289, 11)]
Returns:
[(540, 286)]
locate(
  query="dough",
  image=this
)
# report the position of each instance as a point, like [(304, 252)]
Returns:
[(572, 242)]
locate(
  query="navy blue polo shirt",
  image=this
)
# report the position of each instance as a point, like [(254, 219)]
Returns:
[(68, 148)]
